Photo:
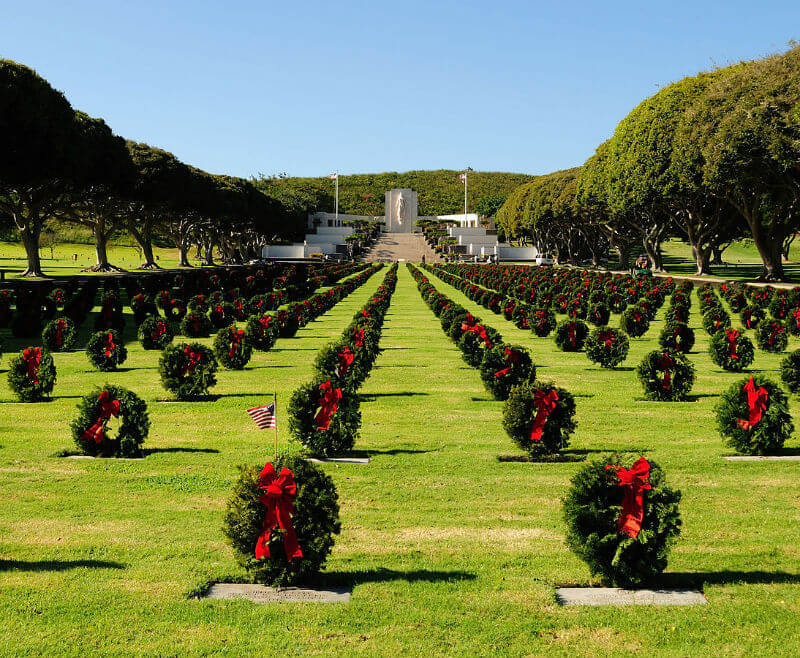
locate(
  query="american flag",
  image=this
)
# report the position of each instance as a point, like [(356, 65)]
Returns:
[(264, 416), (462, 177), (334, 176)]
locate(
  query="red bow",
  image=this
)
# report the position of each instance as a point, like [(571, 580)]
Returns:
[(32, 356), (264, 322), (346, 358), (511, 359), (636, 480), (109, 344), (756, 403), (108, 408), (571, 332), (666, 362), (776, 329), (731, 336), (365, 313), (278, 497), (480, 331), (60, 326), (607, 337), (797, 318), (237, 336), (545, 404), (359, 338), (159, 331), (328, 402), (194, 359)]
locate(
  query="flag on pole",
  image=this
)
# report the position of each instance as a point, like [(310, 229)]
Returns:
[(264, 416), (462, 177), (334, 176)]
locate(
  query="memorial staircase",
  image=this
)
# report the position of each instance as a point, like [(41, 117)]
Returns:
[(392, 247)]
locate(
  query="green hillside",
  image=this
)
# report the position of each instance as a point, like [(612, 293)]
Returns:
[(440, 191)]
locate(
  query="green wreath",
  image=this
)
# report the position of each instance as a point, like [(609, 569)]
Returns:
[(790, 371), (155, 333), (474, 344), (634, 322), (752, 316), (677, 336), (571, 335), (505, 366), (196, 325), (715, 320), (262, 331), (606, 346), (731, 350), (539, 417), (95, 412), (340, 363), (315, 521), (307, 418), (599, 314), (232, 348), (60, 335), (753, 416), (32, 374), (106, 350), (594, 507), (666, 376), (188, 370), (542, 321), (772, 336), (221, 315)]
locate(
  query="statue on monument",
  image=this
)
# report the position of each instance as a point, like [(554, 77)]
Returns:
[(401, 208)]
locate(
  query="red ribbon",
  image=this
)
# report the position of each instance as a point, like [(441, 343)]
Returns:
[(756, 403), (776, 329), (328, 402), (346, 358), (32, 356), (571, 334), (511, 359), (194, 359), (731, 336), (545, 404), (365, 313), (797, 318), (108, 408), (237, 337), (359, 338), (159, 331), (60, 326), (480, 331), (109, 344), (666, 362), (636, 481), (278, 497), (607, 337)]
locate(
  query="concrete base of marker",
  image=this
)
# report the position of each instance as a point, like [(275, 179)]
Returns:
[(340, 460), (264, 594), (618, 596), (762, 458), (93, 457)]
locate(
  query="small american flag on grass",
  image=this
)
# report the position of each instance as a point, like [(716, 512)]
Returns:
[(264, 416)]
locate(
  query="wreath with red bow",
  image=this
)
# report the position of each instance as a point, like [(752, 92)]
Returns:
[(221, 314), (731, 350), (504, 367), (790, 371), (341, 363), (606, 346), (753, 416), (542, 321), (198, 303), (476, 341), (752, 316), (716, 320), (196, 325), (622, 519), (599, 314), (772, 336), (155, 333), (666, 376), (324, 418), (106, 350), (634, 321), (60, 335), (232, 348), (262, 331), (571, 335), (32, 374), (539, 417), (288, 501), (188, 370), (677, 336), (106, 406)]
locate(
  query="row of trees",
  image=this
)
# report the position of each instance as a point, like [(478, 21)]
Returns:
[(711, 158), (60, 164)]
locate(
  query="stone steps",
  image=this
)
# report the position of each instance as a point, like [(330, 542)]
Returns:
[(392, 247)]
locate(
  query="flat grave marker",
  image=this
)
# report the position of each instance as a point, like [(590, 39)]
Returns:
[(569, 596), (264, 594)]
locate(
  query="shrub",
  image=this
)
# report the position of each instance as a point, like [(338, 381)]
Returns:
[(617, 545), (539, 417), (89, 429)]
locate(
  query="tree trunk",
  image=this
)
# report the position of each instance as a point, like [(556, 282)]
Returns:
[(653, 254), (30, 240), (716, 257), (702, 257), (769, 248), (183, 251), (146, 245), (101, 253)]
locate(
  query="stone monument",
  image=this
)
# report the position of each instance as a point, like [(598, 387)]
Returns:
[(401, 210)]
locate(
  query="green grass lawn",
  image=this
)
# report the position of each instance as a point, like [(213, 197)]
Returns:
[(449, 550)]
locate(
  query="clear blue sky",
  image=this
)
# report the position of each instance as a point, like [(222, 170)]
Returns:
[(307, 87)]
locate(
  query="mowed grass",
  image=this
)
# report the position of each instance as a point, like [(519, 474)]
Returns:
[(449, 550)]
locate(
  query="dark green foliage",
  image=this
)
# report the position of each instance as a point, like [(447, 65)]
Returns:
[(571, 335), (790, 371), (715, 320), (25, 387), (634, 322), (542, 321), (591, 511), (315, 520), (155, 333), (606, 346), (341, 435), (599, 314), (186, 378), (221, 315), (677, 336), (106, 350), (196, 325), (666, 375), (60, 335), (261, 331), (473, 347), (505, 366), (772, 336), (133, 421), (752, 316), (769, 434), (731, 350), (232, 348), (520, 411), (327, 364)]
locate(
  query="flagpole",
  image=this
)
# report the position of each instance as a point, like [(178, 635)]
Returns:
[(275, 417), (337, 199), (465, 197)]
